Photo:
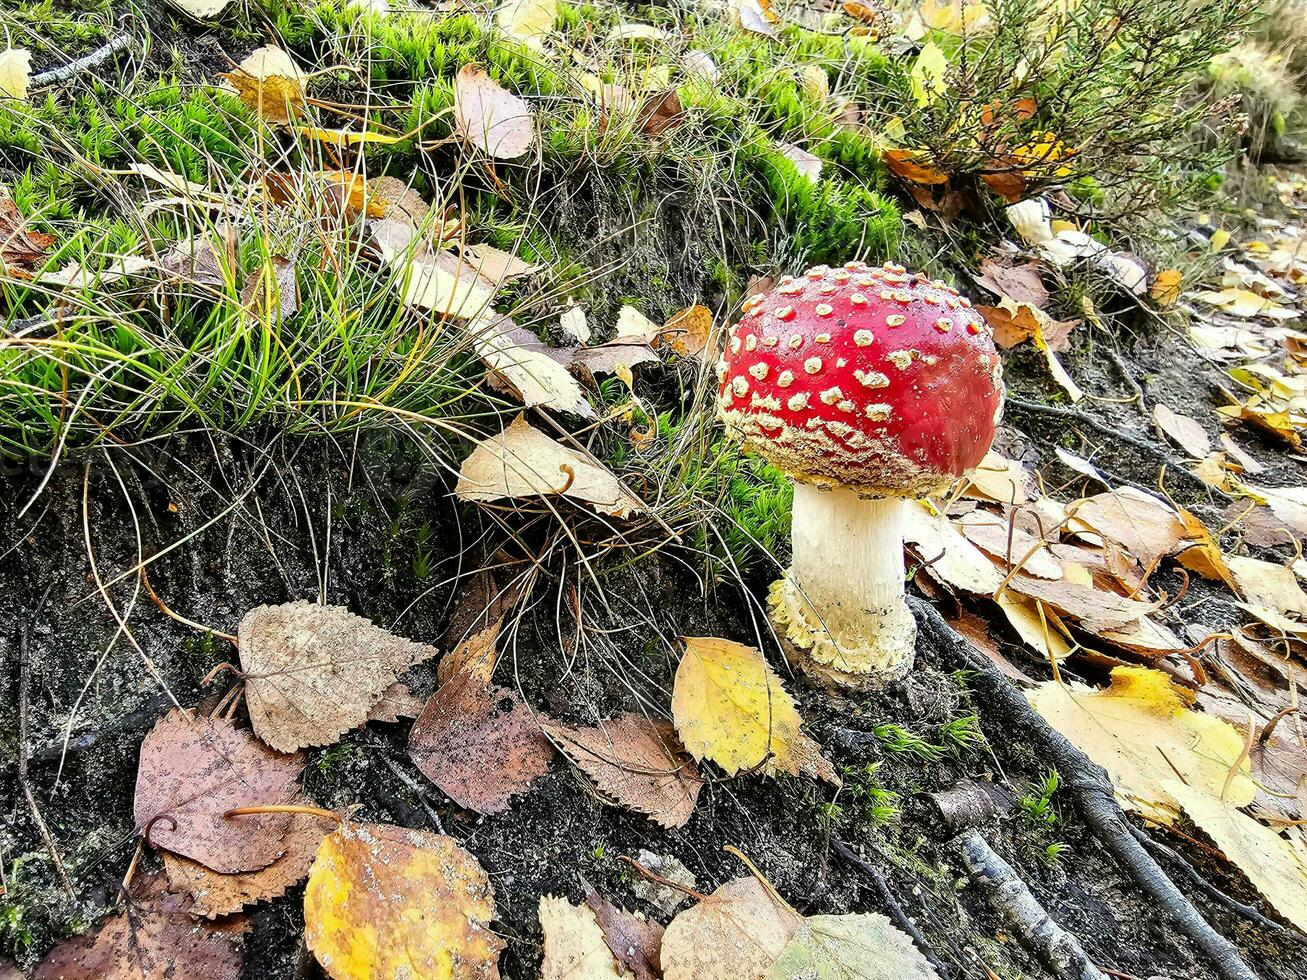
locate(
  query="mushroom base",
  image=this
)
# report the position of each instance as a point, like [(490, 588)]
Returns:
[(879, 652)]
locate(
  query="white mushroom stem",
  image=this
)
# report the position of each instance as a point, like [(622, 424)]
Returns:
[(841, 603)]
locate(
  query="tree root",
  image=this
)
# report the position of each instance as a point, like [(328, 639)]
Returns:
[(1059, 949), (1174, 465), (91, 61), (1089, 785), (892, 907)]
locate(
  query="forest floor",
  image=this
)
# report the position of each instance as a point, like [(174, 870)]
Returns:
[(367, 519)]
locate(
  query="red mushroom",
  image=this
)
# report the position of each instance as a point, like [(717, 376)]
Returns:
[(869, 387)]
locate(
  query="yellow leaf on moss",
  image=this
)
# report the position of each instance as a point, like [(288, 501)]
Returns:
[(270, 83), (527, 21), (383, 901), (15, 73), (729, 706), (1142, 730)]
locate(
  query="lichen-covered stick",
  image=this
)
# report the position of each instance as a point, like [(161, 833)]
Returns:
[(869, 387)]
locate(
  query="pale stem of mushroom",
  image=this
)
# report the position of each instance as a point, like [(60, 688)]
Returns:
[(848, 555)]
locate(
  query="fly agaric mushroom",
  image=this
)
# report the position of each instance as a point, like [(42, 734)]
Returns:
[(870, 387)]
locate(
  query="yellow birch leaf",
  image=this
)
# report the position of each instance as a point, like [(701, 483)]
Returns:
[(929, 73), (15, 73), (1142, 730), (383, 901), (527, 21)]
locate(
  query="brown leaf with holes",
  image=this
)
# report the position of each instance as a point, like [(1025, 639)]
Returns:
[(213, 894), (637, 761), (21, 250), (634, 940), (481, 745), (314, 672), (195, 769), (153, 938)]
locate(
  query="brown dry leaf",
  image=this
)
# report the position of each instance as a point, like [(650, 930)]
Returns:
[(1143, 732), (736, 933), (1289, 504), (574, 946), (1264, 583), (383, 901), (152, 939), (634, 940), (613, 357), (271, 296), (914, 166), (497, 265), (195, 769), (1249, 465), (376, 197), (524, 462), (1097, 609), (489, 116), (21, 250), (1269, 861), (1016, 322), (213, 894), (1023, 284), (481, 745), (1038, 626), (976, 631), (397, 702), (1010, 545), (637, 761), (660, 113), (314, 672), (270, 83), (1145, 526), (530, 370), (1185, 432)]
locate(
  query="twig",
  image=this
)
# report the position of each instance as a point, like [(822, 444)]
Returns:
[(93, 60), (1088, 783), (892, 906), (24, 689), (432, 816), (1203, 885), (1008, 894), (1118, 361), (1138, 442)]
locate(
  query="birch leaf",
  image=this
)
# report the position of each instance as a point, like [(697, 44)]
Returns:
[(574, 944), (736, 933), (489, 116), (15, 73), (1142, 731), (850, 947), (524, 462), (270, 83), (528, 21), (537, 379)]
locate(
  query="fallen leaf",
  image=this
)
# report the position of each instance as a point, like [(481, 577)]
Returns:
[(755, 16), (1038, 627), (437, 282), (1245, 304), (152, 939), (690, 332), (1264, 583), (201, 9), (314, 672), (1145, 526), (15, 73), (383, 901), (349, 137), (271, 296), (1202, 553), (524, 462), (379, 197), (998, 478), (1141, 730), (1009, 544), (481, 745), (636, 761), (489, 116), (270, 83), (527, 21), (21, 250), (1023, 284), (729, 706), (634, 940), (1269, 861), (397, 702), (1185, 432), (850, 947), (1289, 504), (976, 631), (1097, 609), (213, 894), (660, 113), (947, 552), (573, 324), (736, 933), (1165, 289), (537, 378), (574, 947), (193, 770), (914, 166), (496, 265)]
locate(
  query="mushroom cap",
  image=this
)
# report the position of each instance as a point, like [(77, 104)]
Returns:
[(868, 378)]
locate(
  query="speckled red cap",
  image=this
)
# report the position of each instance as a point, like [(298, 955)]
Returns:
[(867, 378)]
